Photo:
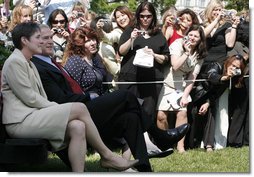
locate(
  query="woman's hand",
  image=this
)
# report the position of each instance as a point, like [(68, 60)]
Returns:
[(184, 101), (135, 33), (203, 109)]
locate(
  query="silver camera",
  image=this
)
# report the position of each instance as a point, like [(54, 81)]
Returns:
[(228, 14), (105, 20), (186, 39), (176, 20), (58, 30), (237, 72)]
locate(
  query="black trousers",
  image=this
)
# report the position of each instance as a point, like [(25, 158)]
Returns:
[(117, 115)]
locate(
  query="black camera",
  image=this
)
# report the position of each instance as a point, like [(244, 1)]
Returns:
[(141, 32), (37, 3), (80, 14)]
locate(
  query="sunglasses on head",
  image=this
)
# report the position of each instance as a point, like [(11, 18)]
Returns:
[(58, 21), (239, 57), (145, 16)]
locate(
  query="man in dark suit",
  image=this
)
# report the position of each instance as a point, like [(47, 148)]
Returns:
[(116, 115)]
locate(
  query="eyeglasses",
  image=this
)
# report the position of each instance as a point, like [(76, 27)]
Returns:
[(146, 16), (58, 21)]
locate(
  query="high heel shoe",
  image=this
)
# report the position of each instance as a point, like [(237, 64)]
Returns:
[(117, 166)]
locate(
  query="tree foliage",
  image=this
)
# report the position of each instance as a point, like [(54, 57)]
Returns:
[(238, 5), (107, 6)]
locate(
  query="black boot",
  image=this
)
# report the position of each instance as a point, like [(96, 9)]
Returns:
[(165, 139)]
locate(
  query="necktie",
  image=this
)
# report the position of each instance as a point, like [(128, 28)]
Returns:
[(74, 85)]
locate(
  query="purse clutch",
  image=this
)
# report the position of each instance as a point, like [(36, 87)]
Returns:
[(143, 59), (174, 99)]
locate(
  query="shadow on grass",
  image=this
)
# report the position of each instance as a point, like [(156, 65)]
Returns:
[(53, 164)]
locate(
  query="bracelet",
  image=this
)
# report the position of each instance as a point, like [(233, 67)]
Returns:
[(233, 27)]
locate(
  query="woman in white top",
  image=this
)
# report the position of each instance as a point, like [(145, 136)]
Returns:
[(186, 59), (123, 18)]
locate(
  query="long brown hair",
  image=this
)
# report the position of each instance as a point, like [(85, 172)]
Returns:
[(76, 42), (229, 61)]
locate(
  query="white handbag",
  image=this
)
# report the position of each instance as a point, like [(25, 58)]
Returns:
[(142, 59), (174, 99)]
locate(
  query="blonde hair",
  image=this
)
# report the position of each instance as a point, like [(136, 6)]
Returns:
[(16, 15), (80, 6), (170, 10), (208, 19)]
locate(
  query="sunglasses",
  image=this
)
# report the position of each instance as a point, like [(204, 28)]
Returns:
[(239, 57), (145, 16), (58, 21)]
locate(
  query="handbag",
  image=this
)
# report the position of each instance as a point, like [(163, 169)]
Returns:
[(142, 59), (174, 99)]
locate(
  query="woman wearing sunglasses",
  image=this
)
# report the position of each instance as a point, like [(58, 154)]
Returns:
[(58, 22), (144, 35)]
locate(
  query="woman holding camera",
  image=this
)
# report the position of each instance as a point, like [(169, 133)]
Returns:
[(58, 22), (221, 77), (144, 35), (221, 37), (186, 58)]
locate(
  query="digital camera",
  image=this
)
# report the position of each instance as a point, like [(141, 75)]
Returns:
[(141, 32), (228, 13), (105, 20), (37, 3), (80, 14), (237, 72), (186, 39), (58, 30)]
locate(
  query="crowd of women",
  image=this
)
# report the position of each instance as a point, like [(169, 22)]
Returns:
[(198, 72)]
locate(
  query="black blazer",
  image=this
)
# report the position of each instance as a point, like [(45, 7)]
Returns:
[(55, 85)]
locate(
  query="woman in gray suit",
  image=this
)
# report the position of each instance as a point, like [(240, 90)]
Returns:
[(28, 114)]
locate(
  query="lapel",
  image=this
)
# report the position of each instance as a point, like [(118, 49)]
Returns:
[(46, 65), (32, 73)]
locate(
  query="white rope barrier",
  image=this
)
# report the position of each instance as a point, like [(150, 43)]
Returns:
[(157, 82)]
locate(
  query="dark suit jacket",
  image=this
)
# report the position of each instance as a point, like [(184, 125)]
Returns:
[(55, 84)]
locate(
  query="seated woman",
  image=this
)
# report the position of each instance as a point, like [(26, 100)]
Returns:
[(28, 114), (82, 61)]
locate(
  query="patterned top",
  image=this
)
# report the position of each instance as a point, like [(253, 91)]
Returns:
[(89, 77)]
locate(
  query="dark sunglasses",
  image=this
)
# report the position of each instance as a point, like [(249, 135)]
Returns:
[(147, 16), (58, 21)]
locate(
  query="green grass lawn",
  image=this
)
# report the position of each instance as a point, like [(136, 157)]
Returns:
[(231, 160)]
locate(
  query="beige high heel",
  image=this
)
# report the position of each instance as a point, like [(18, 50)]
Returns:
[(119, 167)]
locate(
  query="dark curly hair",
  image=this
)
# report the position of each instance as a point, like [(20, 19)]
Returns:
[(76, 42)]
